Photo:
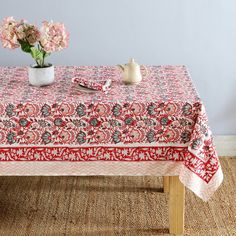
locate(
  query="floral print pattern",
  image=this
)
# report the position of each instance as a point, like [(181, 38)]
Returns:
[(162, 114)]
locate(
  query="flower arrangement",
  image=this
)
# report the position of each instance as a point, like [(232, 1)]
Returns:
[(40, 43)]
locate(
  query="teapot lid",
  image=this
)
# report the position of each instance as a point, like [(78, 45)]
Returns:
[(132, 62)]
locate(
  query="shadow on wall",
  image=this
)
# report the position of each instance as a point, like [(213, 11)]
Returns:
[(226, 114)]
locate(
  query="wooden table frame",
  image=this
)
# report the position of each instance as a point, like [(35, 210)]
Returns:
[(176, 191)]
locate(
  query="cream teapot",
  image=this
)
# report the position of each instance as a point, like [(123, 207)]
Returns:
[(132, 72)]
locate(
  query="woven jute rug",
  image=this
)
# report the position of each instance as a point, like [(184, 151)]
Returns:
[(109, 206)]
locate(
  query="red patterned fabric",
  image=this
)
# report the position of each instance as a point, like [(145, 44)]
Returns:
[(160, 119), (90, 83)]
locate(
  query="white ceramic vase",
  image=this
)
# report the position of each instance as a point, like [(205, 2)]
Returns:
[(41, 76)]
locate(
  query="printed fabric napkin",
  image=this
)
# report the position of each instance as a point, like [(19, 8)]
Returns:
[(103, 86)]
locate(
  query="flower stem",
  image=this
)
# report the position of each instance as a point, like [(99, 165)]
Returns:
[(43, 57), (40, 46), (37, 63)]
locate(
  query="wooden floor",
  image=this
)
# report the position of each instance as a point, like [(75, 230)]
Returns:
[(110, 206)]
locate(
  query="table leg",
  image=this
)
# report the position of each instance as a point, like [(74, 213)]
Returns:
[(176, 206), (166, 184)]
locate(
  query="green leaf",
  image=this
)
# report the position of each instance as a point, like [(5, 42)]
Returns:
[(36, 54), (26, 47), (47, 54)]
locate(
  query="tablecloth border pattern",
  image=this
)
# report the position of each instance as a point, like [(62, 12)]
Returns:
[(104, 153)]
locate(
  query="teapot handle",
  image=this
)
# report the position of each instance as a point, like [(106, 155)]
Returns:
[(121, 67), (146, 71)]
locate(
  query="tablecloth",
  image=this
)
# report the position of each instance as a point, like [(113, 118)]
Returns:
[(158, 127)]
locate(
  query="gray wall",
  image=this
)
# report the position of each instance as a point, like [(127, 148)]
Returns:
[(198, 33)]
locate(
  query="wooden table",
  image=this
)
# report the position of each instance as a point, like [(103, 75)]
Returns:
[(176, 191)]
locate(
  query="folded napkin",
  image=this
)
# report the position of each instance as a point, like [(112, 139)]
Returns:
[(91, 84)]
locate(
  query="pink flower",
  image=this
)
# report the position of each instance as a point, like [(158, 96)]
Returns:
[(32, 34), (28, 33), (54, 37), (8, 34)]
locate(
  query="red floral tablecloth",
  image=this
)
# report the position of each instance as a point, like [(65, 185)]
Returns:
[(158, 127)]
